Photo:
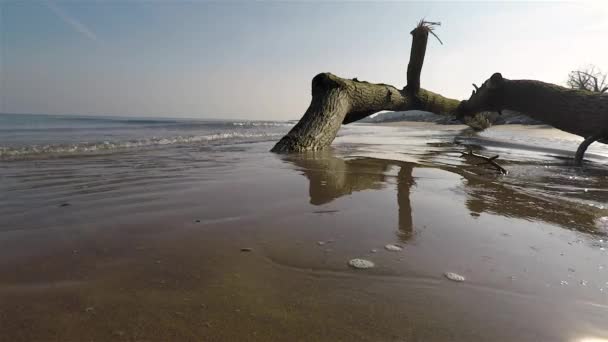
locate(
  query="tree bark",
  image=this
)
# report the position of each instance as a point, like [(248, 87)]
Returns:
[(582, 148), (337, 101), (420, 37)]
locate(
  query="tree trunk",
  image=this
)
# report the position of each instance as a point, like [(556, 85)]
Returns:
[(337, 101)]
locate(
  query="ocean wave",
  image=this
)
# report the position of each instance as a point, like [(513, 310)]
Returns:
[(126, 125), (52, 150)]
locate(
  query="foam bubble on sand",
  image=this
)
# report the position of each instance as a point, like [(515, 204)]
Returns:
[(454, 276), (7, 153), (361, 263), (393, 248)]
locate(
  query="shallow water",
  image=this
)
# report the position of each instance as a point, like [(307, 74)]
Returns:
[(150, 245), (52, 136)]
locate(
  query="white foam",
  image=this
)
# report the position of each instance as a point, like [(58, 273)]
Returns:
[(110, 146), (361, 263), (262, 124)]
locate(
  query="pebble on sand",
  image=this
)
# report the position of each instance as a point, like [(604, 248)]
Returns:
[(393, 248), (361, 263), (321, 243), (454, 277), (246, 249)]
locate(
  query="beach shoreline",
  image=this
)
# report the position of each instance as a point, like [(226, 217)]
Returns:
[(232, 242)]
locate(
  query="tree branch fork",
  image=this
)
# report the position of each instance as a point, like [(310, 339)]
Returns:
[(336, 101)]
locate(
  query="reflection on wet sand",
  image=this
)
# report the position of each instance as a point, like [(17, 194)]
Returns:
[(495, 198), (169, 264), (549, 197), (332, 177)]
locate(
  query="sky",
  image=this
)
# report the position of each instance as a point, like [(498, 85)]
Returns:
[(255, 60)]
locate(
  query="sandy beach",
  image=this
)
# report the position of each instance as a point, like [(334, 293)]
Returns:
[(230, 242), (314, 171)]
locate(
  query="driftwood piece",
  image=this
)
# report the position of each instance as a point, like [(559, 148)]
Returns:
[(486, 160)]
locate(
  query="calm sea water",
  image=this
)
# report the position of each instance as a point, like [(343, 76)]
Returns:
[(122, 149), (40, 136), (117, 223)]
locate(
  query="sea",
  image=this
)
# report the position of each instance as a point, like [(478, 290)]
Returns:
[(36, 150), (40, 136), (122, 228), (48, 136)]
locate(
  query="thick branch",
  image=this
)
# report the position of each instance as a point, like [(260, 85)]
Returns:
[(420, 37), (582, 148), (414, 67), (336, 101)]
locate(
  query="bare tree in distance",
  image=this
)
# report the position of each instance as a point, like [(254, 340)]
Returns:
[(590, 78)]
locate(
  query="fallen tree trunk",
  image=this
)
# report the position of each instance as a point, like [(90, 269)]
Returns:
[(577, 112), (337, 101)]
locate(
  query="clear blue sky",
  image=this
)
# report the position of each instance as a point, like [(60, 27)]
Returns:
[(256, 60)]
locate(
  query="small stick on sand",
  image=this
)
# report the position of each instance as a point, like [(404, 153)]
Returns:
[(487, 160)]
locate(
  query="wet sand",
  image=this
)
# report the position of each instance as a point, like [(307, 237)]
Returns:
[(150, 247)]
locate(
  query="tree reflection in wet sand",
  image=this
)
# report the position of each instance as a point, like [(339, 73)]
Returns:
[(332, 177)]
